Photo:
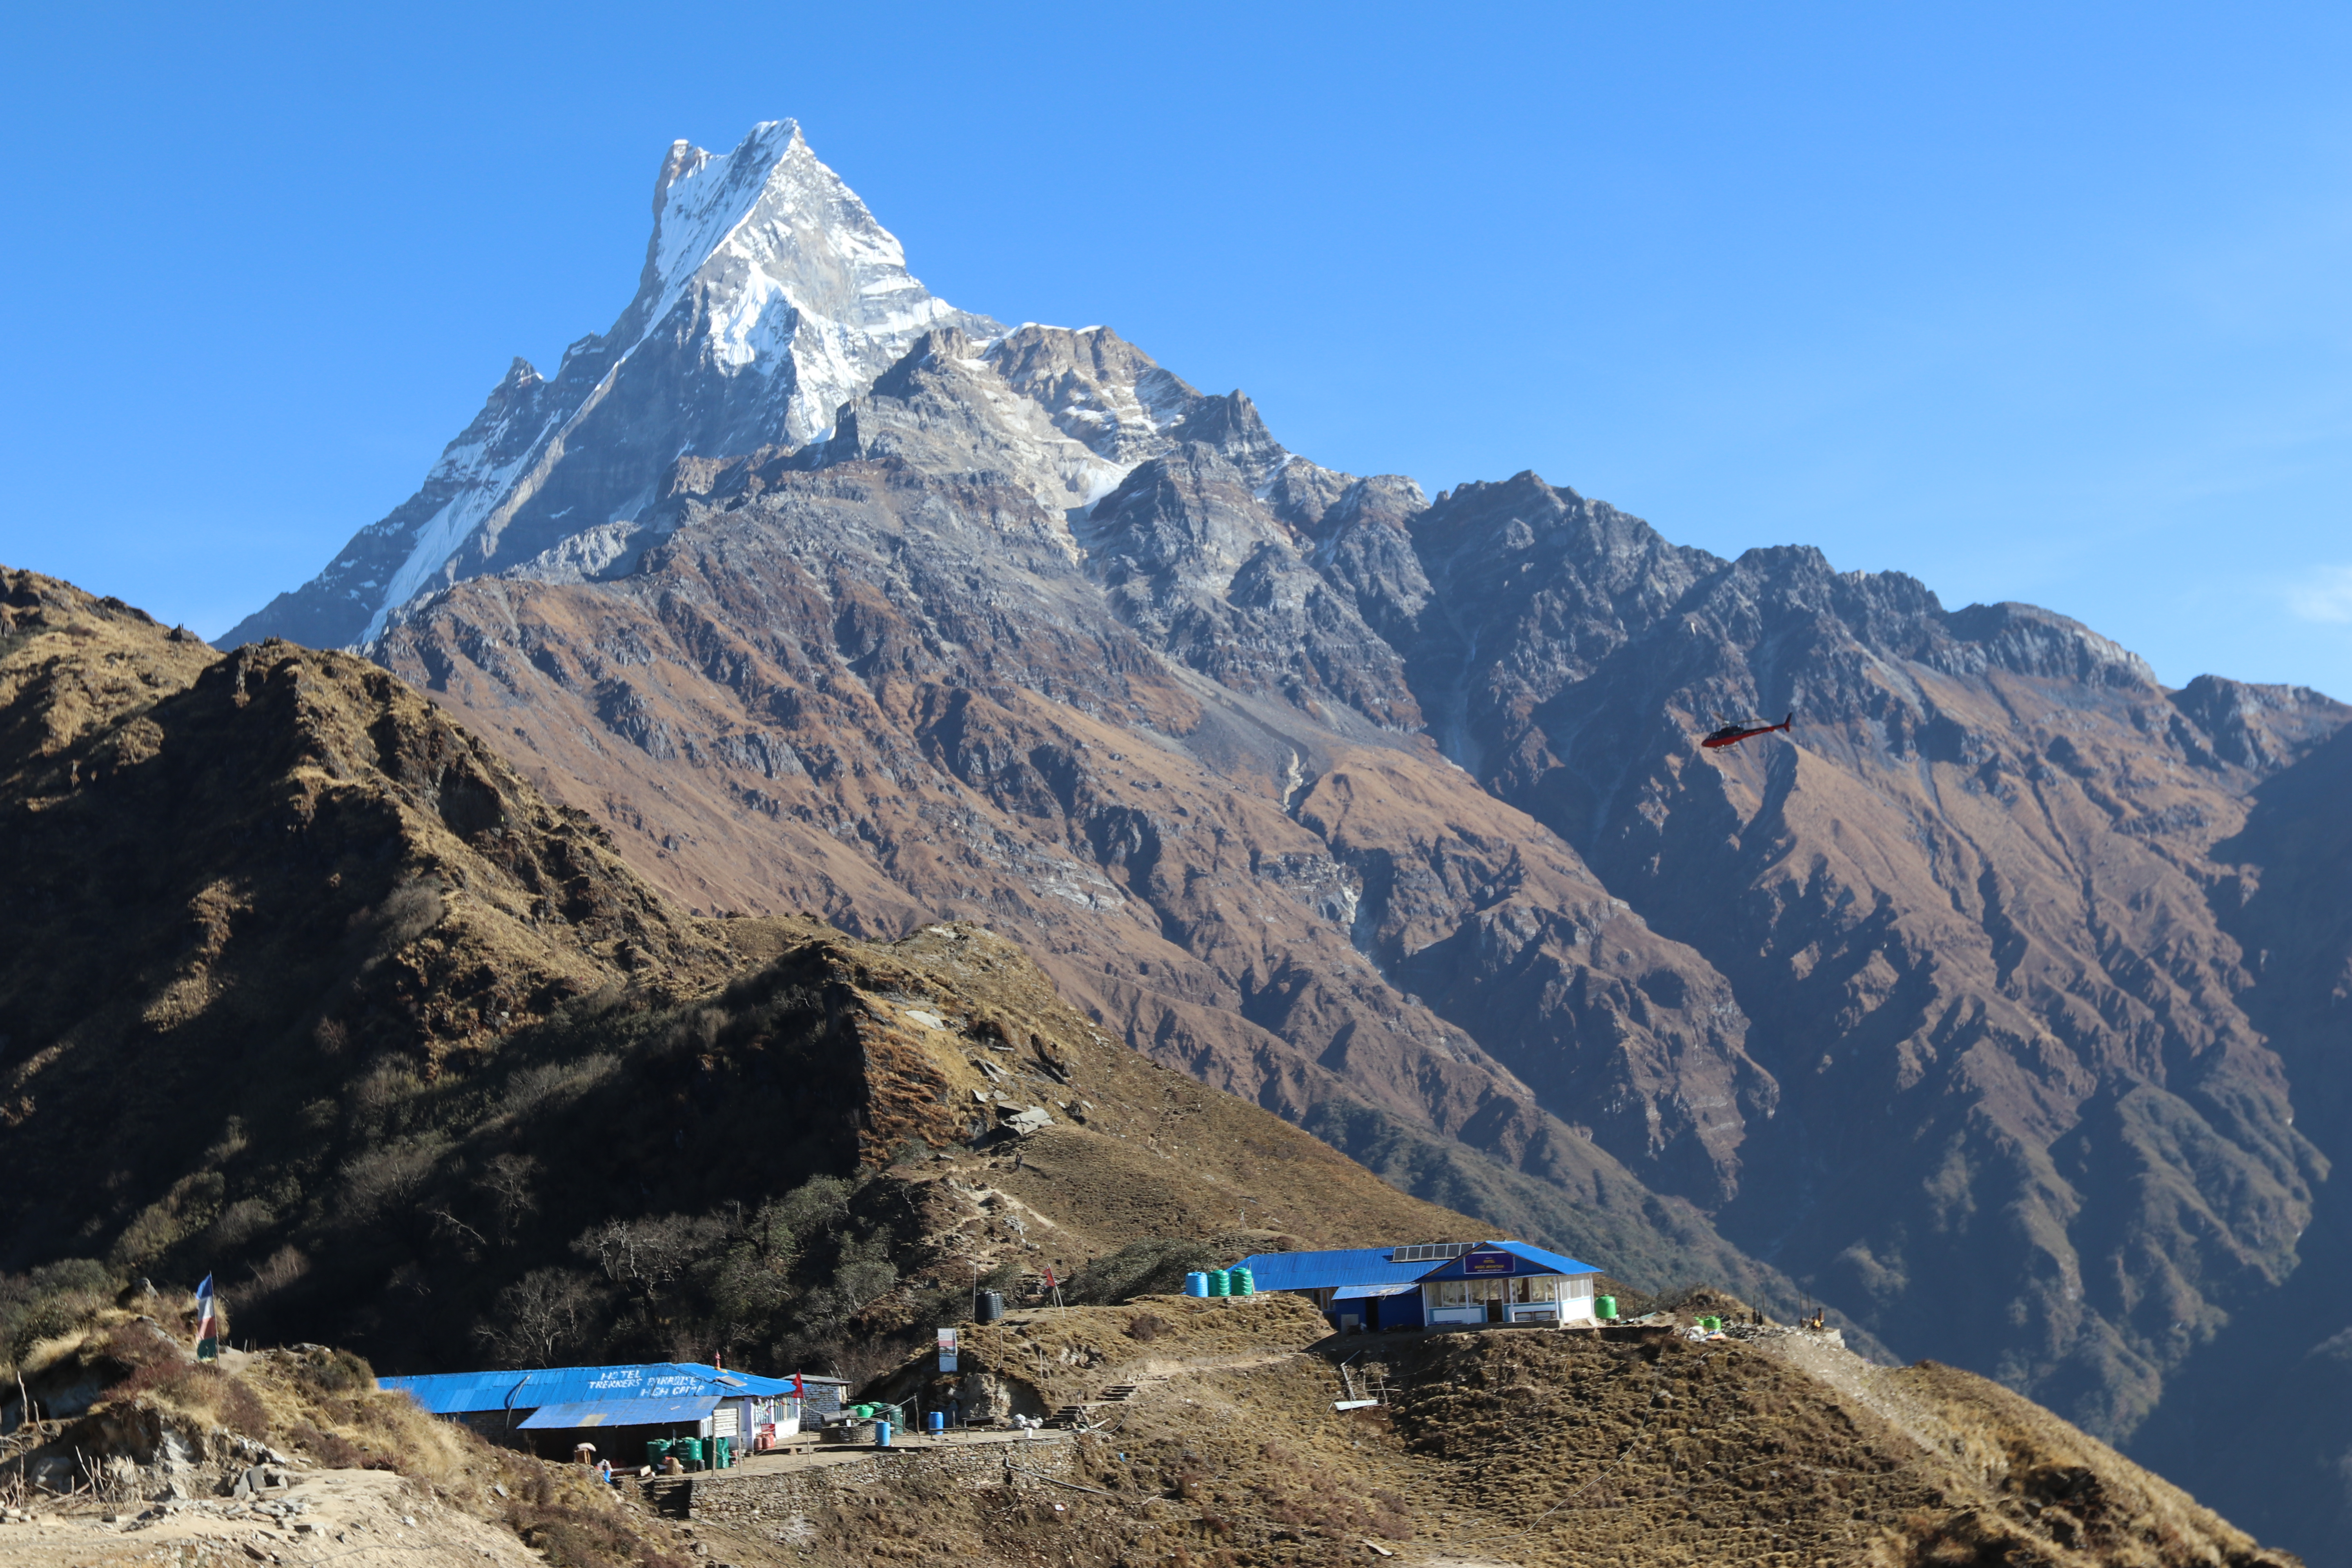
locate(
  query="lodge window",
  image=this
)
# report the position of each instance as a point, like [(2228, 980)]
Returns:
[(1536, 1290)]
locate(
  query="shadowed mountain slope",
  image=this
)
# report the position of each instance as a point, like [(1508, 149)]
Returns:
[(2285, 1371), (276, 888)]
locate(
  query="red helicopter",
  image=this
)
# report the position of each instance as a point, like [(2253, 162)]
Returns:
[(1732, 734)]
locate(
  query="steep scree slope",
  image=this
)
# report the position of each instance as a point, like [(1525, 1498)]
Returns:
[(2284, 1369)]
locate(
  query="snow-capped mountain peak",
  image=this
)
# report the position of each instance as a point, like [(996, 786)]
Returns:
[(785, 261), (770, 297)]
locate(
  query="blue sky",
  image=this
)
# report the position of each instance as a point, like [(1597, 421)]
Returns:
[(2040, 302)]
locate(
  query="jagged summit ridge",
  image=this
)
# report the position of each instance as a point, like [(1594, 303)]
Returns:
[(777, 263), (770, 297)]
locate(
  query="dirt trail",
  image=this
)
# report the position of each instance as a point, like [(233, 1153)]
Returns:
[(352, 1519)]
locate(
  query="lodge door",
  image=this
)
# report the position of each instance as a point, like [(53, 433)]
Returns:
[(1495, 1309)]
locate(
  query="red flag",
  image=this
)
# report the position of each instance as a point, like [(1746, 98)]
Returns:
[(800, 1390), (1051, 1284)]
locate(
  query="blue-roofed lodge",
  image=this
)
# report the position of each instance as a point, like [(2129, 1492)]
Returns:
[(1434, 1285), (553, 1410)]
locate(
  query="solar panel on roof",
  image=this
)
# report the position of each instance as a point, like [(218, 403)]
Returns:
[(1432, 1252)]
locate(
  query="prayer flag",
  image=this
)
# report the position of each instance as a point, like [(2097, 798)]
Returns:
[(207, 1322)]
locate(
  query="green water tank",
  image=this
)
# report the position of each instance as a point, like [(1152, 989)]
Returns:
[(1221, 1282), (1243, 1285), (1606, 1308)]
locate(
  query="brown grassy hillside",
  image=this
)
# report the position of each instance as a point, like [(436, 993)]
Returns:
[(259, 899), (1645, 1449)]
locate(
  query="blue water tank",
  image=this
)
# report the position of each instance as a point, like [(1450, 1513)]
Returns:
[(938, 1422), (881, 1434), (1196, 1283)]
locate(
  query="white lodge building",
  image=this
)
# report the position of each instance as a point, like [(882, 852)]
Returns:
[(1508, 1282)]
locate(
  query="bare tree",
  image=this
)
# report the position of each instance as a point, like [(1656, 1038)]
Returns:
[(506, 1181), (544, 1316), (648, 1257)]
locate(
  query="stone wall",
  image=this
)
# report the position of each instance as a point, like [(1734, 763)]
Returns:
[(780, 1502)]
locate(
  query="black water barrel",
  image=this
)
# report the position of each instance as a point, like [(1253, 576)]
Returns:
[(991, 1306)]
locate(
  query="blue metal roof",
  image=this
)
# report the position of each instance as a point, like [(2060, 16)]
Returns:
[(1320, 1270), (621, 1413), (734, 1385), (1522, 1254), (1366, 1292), (458, 1393)]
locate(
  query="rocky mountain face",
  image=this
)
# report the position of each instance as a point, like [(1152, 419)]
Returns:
[(1971, 915), (918, 695), (1152, 836), (1981, 1006)]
